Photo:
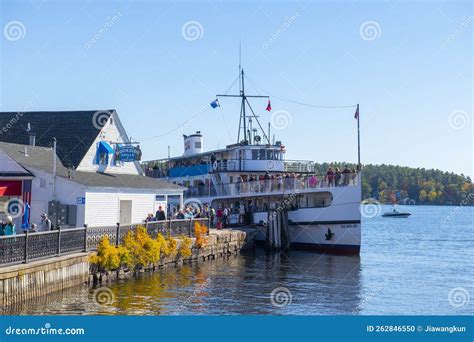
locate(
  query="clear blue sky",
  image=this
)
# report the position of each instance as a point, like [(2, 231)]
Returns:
[(412, 76)]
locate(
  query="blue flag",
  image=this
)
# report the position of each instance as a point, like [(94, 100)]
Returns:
[(25, 224), (215, 103)]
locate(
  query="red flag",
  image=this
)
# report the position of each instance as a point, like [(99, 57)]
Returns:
[(269, 106), (356, 115)]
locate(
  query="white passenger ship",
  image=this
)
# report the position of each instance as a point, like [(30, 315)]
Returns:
[(253, 174)]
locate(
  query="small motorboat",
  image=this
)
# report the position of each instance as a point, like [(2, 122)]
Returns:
[(396, 213)]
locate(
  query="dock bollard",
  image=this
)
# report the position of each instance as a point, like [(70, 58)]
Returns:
[(117, 237), (59, 241), (85, 238), (25, 257)]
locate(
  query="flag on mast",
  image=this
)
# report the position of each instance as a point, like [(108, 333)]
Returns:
[(356, 115), (269, 106)]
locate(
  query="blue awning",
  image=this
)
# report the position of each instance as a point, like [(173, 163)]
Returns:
[(105, 148)]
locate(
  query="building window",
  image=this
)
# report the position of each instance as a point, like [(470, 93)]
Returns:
[(103, 158), (102, 154), (197, 144), (42, 183)]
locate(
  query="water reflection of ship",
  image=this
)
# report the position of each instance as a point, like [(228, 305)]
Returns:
[(326, 285)]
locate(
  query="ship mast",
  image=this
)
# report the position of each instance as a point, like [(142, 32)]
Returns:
[(244, 118)]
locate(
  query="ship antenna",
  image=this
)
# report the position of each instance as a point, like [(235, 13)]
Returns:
[(244, 101), (240, 63)]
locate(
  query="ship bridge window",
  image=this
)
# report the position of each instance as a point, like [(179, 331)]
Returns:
[(259, 154), (273, 155)]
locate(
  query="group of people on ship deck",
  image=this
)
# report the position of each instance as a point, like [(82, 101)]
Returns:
[(340, 178), (288, 181), (276, 182)]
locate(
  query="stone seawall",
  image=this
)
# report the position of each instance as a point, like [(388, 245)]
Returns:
[(26, 281), (220, 243)]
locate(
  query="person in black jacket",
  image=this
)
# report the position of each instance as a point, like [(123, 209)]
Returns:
[(160, 214)]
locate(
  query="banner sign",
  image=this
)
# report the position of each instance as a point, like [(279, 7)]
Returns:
[(127, 153)]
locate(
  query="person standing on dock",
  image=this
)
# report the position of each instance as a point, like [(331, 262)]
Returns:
[(180, 215), (212, 216), (160, 214), (45, 224), (8, 228), (225, 216), (219, 215), (188, 214)]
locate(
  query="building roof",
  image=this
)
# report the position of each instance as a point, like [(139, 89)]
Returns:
[(109, 180), (75, 131), (32, 156), (10, 168), (41, 158)]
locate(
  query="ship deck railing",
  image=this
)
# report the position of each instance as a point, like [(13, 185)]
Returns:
[(233, 165), (276, 186)]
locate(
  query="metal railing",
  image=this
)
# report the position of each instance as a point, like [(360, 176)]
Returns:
[(277, 185), (240, 165), (299, 166), (23, 248)]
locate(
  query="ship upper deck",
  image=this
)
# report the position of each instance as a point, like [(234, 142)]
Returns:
[(276, 186), (235, 158)]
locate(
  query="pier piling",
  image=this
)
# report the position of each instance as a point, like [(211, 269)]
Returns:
[(277, 228)]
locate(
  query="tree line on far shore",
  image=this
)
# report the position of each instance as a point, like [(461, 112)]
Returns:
[(392, 183)]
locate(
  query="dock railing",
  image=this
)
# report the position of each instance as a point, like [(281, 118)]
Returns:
[(23, 248)]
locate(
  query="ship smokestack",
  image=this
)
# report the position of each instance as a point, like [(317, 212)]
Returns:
[(193, 144)]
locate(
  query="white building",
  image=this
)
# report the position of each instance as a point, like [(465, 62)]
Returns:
[(94, 177)]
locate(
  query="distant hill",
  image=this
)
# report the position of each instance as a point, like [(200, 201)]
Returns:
[(391, 183)]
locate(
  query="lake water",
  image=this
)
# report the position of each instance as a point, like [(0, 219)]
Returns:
[(419, 265)]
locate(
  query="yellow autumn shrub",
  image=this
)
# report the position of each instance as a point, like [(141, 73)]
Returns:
[(164, 245), (125, 257), (172, 246), (185, 247), (142, 249), (138, 250), (200, 231), (107, 256)]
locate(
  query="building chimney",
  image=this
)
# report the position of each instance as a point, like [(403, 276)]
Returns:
[(71, 173), (32, 139)]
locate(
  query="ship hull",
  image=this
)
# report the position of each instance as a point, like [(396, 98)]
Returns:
[(331, 238)]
